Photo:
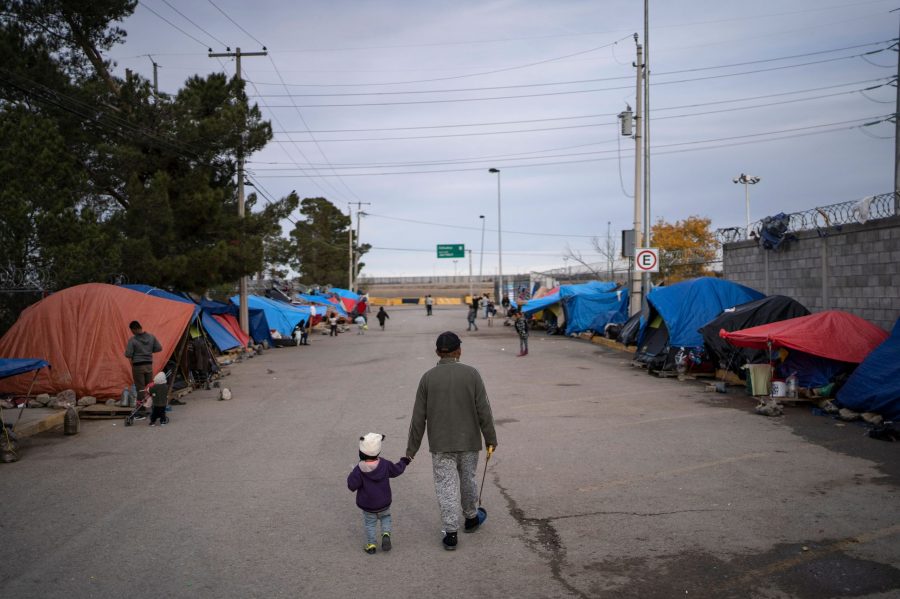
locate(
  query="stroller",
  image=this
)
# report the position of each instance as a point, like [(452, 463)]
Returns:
[(143, 401)]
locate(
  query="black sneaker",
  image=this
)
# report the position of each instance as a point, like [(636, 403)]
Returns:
[(449, 541), (472, 524), (370, 548), (386, 541)]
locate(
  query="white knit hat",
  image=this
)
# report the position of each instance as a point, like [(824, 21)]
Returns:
[(160, 379), (370, 444)]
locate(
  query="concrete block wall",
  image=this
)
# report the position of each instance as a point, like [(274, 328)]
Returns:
[(856, 269)]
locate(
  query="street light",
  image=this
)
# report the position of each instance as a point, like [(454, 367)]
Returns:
[(747, 181), (481, 259), (454, 270), (499, 238)]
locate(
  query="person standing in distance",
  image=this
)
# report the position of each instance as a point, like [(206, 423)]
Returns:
[(452, 405), (139, 351)]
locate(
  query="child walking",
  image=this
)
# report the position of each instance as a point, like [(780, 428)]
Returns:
[(370, 480), (381, 316), (522, 329)]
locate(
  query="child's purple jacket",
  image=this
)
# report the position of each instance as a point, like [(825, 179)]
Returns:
[(373, 489)]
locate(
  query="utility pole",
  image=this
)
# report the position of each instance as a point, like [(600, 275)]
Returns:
[(645, 277), (155, 78), (471, 290), (244, 311), (350, 248), (609, 249), (359, 214), (636, 289), (897, 137)]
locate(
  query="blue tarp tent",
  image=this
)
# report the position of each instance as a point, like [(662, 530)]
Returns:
[(258, 324), (219, 335), (536, 305), (581, 303), (323, 301), (617, 312), (15, 366), (677, 312), (280, 316), (687, 306), (875, 384)]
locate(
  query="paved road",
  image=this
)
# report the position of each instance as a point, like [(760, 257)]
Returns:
[(606, 483)]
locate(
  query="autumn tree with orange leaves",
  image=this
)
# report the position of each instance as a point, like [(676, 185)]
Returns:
[(686, 248)]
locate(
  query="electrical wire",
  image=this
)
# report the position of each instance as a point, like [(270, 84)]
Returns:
[(563, 93), (312, 137), (679, 144), (205, 45), (581, 126), (587, 116), (470, 228), (189, 20), (236, 24)]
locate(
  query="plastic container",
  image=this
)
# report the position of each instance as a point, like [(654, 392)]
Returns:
[(792, 385), (760, 376), (779, 388)]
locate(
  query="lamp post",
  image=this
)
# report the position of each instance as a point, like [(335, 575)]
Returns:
[(747, 181), (481, 259), (501, 293), (454, 270)]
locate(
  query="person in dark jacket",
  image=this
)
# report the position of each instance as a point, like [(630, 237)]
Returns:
[(522, 330), (139, 351), (381, 316), (371, 481), (452, 407)]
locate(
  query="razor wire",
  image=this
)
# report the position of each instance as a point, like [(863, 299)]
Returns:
[(822, 217)]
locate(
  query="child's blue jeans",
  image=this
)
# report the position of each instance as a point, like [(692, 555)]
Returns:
[(370, 520)]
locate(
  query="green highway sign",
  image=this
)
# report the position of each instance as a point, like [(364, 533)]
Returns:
[(451, 250)]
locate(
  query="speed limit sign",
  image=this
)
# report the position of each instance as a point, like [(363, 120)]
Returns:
[(647, 260)]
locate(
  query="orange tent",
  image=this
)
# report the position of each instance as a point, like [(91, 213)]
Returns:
[(82, 331)]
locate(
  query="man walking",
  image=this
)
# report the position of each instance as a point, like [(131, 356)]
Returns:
[(139, 351), (452, 405)]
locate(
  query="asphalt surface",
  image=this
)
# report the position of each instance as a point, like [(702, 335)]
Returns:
[(607, 482)]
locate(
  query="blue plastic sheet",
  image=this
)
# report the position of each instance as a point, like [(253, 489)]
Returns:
[(280, 316), (875, 384), (15, 366)]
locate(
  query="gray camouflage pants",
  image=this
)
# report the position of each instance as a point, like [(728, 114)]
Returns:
[(455, 484)]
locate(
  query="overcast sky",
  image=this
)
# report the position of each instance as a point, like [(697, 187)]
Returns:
[(343, 63)]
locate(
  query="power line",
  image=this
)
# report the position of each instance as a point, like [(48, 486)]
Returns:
[(562, 93), (587, 116), (189, 20), (469, 228), (236, 24), (205, 45), (680, 144), (574, 82), (586, 125), (313, 139)]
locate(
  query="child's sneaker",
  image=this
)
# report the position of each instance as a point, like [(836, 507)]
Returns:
[(449, 541), (370, 548), (385, 541)]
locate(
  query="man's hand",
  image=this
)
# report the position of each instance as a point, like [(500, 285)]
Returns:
[(490, 450), (405, 460)]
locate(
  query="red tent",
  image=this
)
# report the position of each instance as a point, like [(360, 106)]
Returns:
[(232, 325), (832, 334), (82, 331)]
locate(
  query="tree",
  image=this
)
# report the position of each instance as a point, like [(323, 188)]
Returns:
[(103, 178), (321, 244), (686, 248)]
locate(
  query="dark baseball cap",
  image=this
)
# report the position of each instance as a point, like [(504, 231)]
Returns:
[(448, 342)]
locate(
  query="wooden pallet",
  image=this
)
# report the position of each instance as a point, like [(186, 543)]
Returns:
[(101, 411)]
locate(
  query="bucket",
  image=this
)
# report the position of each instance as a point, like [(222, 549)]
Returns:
[(779, 388), (760, 375)]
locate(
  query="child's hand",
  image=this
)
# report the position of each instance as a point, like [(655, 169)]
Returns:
[(405, 460)]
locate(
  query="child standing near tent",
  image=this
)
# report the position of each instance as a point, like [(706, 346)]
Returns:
[(381, 316), (522, 329), (159, 393), (370, 479), (332, 322)]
